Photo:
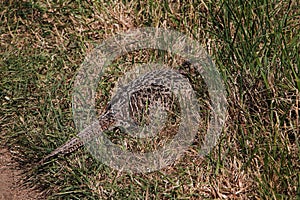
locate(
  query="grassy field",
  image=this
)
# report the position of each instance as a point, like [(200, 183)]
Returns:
[(255, 45)]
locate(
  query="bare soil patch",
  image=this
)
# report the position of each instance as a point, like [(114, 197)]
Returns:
[(11, 187)]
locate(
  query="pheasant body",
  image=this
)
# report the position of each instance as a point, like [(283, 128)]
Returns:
[(131, 104)]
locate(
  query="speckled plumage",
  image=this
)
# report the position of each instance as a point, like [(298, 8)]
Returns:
[(131, 104)]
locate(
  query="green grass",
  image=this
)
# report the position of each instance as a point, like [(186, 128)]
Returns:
[(255, 45)]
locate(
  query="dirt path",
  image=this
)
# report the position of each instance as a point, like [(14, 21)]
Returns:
[(10, 180)]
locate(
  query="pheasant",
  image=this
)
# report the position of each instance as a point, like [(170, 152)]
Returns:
[(132, 104)]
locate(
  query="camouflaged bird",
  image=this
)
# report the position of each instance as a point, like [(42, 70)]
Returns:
[(131, 104)]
